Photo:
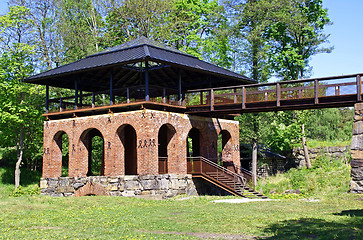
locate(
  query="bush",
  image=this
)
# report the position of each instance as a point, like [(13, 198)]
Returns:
[(327, 177), (29, 191)]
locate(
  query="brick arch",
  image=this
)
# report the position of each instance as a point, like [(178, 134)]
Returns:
[(166, 142), (83, 151), (52, 167), (127, 152), (225, 145)]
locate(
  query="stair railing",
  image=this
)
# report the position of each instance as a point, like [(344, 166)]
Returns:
[(219, 169)]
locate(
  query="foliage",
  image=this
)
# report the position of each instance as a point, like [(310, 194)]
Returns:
[(21, 104), (28, 191), (297, 35), (327, 178)]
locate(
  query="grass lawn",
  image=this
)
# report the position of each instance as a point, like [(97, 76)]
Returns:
[(95, 217)]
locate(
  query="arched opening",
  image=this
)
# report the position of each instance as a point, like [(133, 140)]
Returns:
[(62, 141), (94, 142), (222, 151), (193, 143), (166, 133), (127, 135)]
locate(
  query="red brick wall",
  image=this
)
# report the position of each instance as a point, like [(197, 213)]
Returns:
[(146, 124)]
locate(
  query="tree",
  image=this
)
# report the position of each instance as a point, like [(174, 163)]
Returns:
[(80, 26), (42, 33), (296, 35), (19, 118)]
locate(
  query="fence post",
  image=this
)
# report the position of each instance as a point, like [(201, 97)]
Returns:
[(359, 88), (316, 91), (211, 100), (278, 94), (243, 97), (235, 95)]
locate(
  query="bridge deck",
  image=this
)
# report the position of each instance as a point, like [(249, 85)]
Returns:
[(338, 91)]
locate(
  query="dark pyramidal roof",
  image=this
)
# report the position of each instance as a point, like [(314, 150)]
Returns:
[(126, 63)]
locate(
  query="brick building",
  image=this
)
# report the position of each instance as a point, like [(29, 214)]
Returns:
[(133, 98)]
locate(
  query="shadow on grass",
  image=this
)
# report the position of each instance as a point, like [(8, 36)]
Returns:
[(27, 177), (311, 228)]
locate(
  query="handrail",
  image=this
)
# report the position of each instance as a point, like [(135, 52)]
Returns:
[(247, 171), (282, 82), (219, 167)]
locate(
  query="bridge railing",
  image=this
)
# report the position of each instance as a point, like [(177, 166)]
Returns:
[(277, 92)]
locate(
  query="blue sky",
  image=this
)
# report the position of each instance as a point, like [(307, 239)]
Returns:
[(345, 36)]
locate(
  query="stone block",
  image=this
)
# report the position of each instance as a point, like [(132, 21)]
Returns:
[(164, 184), (78, 185), (357, 142), (150, 184), (357, 154), (43, 184), (357, 173), (113, 180), (355, 187), (358, 117), (132, 185), (131, 177), (128, 193), (112, 187), (358, 128), (69, 189)]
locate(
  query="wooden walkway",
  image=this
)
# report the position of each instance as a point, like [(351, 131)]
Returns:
[(338, 91)]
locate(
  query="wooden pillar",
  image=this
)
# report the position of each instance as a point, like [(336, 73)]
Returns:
[(179, 89), (93, 100), (359, 88), (76, 94), (46, 98), (147, 95), (127, 95), (111, 89)]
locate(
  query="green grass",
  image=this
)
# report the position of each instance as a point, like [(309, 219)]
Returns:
[(93, 217), (336, 215)]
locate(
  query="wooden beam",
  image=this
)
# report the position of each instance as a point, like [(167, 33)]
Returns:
[(316, 91), (147, 95), (278, 94), (46, 98), (359, 88)]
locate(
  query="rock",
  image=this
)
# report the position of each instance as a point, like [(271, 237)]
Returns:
[(78, 185), (128, 194), (357, 173), (357, 142), (43, 184), (358, 127), (150, 184), (132, 185), (355, 188)]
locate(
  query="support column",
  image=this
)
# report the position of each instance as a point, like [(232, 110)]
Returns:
[(46, 98), (356, 185), (147, 96)]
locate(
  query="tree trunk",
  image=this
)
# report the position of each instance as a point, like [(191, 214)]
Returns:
[(254, 162), (19, 153), (306, 152)]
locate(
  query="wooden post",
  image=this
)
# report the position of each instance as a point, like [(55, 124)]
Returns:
[(179, 89), (316, 91), (201, 97), (359, 88), (76, 94), (337, 90), (46, 98), (164, 93), (266, 96), (211, 99), (147, 95), (127, 95), (93, 100), (111, 89), (278, 94), (60, 104), (235, 95), (243, 97)]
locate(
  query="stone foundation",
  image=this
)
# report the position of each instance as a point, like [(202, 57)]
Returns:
[(331, 152), (356, 185), (155, 186)]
